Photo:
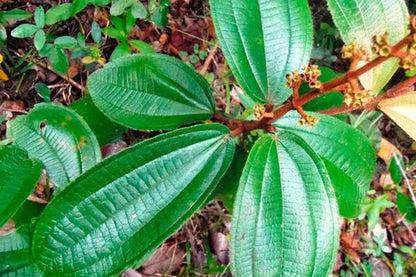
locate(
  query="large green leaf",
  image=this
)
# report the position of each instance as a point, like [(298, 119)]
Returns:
[(59, 138), (15, 253), (19, 175), (285, 215), (117, 213), (104, 129), (348, 155), (360, 20), (151, 91), (264, 40)]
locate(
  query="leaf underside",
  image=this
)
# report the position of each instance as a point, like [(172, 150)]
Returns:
[(361, 20), (285, 220), (117, 213)]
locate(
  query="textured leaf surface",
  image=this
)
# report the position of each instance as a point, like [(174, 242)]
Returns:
[(263, 40), (114, 215), (59, 138), (15, 254), (360, 20), (104, 129), (151, 91), (402, 110), (19, 176), (347, 153), (285, 216)]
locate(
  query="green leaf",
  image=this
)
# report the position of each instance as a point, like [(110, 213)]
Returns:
[(58, 13), (24, 31), (327, 100), (19, 175), (3, 33), (59, 138), (122, 50), (40, 17), (104, 129), (151, 91), (40, 39), (119, 6), (96, 32), (99, 2), (160, 16), (16, 15), (138, 10), (360, 20), (15, 254), (27, 212), (406, 207), (396, 167), (46, 50), (65, 42), (142, 46), (348, 155), (59, 60), (263, 41), (285, 220), (44, 91), (127, 205), (228, 185), (374, 208), (64, 11)]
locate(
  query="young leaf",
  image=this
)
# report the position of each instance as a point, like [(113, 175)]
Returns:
[(374, 208), (396, 167), (59, 138), (96, 32), (16, 15), (160, 16), (15, 253), (119, 6), (40, 39), (65, 42), (118, 212), (59, 60), (402, 110), (285, 219), (142, 46), (64, 11), (19, 176), (122, 50), (406, 207), (40, 17), (361, 20), (347, 153), (3, 33), (138, 10), (151, 92), (44, 91), (263, 41), (24, 31), (103, 128)]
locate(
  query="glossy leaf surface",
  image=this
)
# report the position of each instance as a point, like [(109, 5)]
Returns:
[(19, 176), (347, 153), (117, 213), (263, 41), (285, 220), (360, 20), (59, 138), (151, 91), (15, 254)]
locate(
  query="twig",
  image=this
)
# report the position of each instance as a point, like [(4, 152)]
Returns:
[(407, 181), (66, 78), (209, 59)]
